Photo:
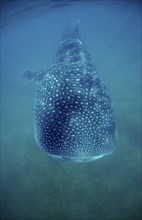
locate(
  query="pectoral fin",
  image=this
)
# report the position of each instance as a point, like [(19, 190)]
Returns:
[(34, 76)]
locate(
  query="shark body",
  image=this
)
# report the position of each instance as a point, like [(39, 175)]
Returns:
[(73, 115)]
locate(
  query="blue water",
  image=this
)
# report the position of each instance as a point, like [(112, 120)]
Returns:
[(34, 185)]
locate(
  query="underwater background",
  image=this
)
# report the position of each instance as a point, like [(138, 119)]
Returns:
[(34, 185)]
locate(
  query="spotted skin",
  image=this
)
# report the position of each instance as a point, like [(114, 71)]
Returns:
[(73, 116)]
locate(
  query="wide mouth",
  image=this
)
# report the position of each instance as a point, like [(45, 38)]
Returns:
[(77, 159)]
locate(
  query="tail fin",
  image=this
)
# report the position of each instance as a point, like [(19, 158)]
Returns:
[(70, 31)]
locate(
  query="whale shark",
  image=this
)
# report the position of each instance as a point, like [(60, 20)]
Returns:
[(73, 115)]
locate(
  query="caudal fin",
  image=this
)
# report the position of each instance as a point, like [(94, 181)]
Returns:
[(71, 31)]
